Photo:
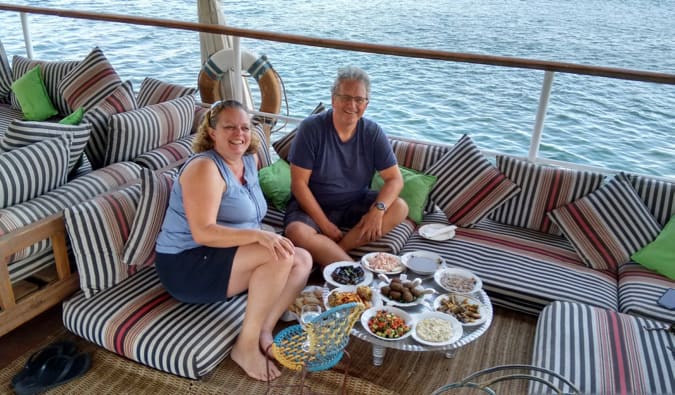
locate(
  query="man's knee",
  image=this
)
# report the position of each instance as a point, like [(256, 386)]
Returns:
[(400, 209)]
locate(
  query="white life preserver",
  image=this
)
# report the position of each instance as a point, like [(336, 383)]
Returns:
[(222, 62)]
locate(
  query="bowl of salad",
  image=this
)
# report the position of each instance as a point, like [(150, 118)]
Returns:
[(387, 322)]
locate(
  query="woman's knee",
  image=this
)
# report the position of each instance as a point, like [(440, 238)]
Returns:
[(303, 259)]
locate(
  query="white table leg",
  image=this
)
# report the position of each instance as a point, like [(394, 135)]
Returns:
[(378, 354), (450, 353)]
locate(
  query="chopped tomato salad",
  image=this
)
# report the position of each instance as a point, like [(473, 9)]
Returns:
[(388, 325)]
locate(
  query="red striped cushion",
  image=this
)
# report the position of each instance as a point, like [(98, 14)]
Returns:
[(90, 82), (415, 154), (607, 226), (139, 249), (53, 73), (155, 91), (120, 100), (468, 185), (542, 189), (98, 230)]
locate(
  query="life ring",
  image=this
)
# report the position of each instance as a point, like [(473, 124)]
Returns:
[(220, 62)]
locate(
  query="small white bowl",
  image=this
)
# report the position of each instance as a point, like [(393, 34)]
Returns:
[(442, 274), (482, 309), (422, 262), (455, 327), (371, 312)]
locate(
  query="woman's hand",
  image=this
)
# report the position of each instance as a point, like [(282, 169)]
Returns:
[(279, 246)]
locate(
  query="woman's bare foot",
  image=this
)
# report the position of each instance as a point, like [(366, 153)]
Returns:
[(254, 364), (266, 340)]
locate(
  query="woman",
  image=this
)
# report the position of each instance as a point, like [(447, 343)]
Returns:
[(211, 246)]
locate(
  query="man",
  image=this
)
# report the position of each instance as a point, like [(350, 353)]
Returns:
[(333, 160)]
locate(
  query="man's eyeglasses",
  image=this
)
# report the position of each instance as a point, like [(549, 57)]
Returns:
[(356, 99)]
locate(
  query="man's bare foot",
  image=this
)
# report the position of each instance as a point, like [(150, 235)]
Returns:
[(254, 364), (266, 340)]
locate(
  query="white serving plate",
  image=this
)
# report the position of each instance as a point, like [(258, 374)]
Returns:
[(392, 302), (428, 230), (376, 300), (365, 317), (456, 326), (440, 274), (328, 271), (290, 315), (422, 262), (365, 262), (482, 309)]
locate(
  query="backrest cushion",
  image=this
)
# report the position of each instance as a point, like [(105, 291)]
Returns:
[(31, 94), (608, 225), (264, 157), (542, 189), (52, 75), (90, 82), (5, 76), (98, 229), (154, 91), (658, 196), (139, 249), (275, 182), (32, 170), (468, 186), (417, 155), (134, 132), (282, 146), (121, 99), (415, 192), (22, 133)]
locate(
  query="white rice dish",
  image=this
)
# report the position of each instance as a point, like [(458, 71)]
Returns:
[(436, 330)]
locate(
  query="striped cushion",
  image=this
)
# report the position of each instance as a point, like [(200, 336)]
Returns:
[(32, 170), (139, 320), (521, 269), (607, 226), (90, 82), (22, 133), (53, 73), (542, 189), (391, 243), (120, 100), (5, 76), (602, 351), (468, 185), (415, 154), (139, 249), (264, 158), (167, 154), (282, 146), (74, 192), (155, 91), (98, 229), (658, 195), (135, 132), (639, 291)]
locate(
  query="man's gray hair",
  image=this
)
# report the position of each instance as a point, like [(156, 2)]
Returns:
[(351, 73)]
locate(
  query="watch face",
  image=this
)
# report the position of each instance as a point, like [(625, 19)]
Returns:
[(380, 206)]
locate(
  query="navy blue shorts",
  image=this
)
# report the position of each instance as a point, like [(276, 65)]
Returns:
[(346, 216), (199, 275)]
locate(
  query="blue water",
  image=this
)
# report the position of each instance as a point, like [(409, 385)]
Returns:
[(598, 121)]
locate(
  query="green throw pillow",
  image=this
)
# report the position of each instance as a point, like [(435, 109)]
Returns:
[(659, 255), (275, 181), (416, 188), (32, 95), (73, 119)]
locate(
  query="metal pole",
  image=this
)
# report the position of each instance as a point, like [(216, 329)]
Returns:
[(26, 35), (541, 115), (238, 83)]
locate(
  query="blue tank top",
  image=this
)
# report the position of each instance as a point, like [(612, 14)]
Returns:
[(241, 206)]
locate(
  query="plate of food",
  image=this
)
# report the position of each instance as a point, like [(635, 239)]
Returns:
[(453, 279), (436, 329), (402, 292), (422, 262), (342, 273), (467, 310), (387, 323), (437, 232), (382, 262), (309, 295), (352, 293)]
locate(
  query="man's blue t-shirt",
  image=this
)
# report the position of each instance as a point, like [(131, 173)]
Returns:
[(341, 171)]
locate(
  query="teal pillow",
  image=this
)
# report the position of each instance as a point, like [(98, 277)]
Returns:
[(32, 95), (275, 181), (416, 188), (73, 119), (659, 255)]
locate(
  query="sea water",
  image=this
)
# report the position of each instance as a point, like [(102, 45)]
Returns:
[(611, 123)]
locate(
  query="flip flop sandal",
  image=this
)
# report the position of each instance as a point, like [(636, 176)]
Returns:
[(57, 370), (35, 362)]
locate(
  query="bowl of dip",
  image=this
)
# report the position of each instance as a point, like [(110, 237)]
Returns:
[(436, 329)]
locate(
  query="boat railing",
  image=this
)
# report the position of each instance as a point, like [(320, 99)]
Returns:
[(550, 68)]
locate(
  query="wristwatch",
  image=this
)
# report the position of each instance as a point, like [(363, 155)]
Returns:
[(380, 206)]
